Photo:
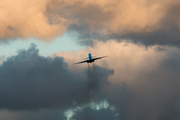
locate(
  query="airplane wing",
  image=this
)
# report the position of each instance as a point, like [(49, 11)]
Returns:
[(81, 62), (99, 58)]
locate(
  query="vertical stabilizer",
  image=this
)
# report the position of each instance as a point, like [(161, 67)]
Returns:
[(90, 56)]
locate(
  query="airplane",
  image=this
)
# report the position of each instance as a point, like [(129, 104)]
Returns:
[(90, 59)]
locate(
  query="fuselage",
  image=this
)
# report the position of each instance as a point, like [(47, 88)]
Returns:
[(90, 58)]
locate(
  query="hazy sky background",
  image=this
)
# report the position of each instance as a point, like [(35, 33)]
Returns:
[(40, 40), (61, 43)]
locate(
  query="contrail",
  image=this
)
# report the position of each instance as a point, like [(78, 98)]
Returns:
[(94, 67), (93, 83)]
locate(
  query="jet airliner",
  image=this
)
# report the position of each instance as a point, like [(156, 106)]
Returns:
[(90, 59)]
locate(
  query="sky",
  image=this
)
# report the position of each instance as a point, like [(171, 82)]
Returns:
[(45, 48), (40, 40)]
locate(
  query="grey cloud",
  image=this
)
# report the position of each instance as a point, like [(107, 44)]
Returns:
[(90, 114), (154, 95), (169, 36), (162, 37), (32, 115), (81, 33), (30, 81)]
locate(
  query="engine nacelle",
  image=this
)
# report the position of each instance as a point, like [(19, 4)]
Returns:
[(90, 61)]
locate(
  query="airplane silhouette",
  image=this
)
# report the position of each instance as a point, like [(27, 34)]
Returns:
[(90, 59)]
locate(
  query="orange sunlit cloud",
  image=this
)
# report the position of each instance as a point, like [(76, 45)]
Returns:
[(45, 19)]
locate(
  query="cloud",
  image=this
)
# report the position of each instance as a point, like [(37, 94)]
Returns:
[(147, 22), (24, 19), (145, 83), (90, 114), (101, 110), (91, 110), (29, 81), (29, 115), (1, 59)]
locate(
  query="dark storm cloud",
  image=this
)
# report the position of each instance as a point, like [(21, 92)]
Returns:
[(32, 115), (31, 81), (90, 114)]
